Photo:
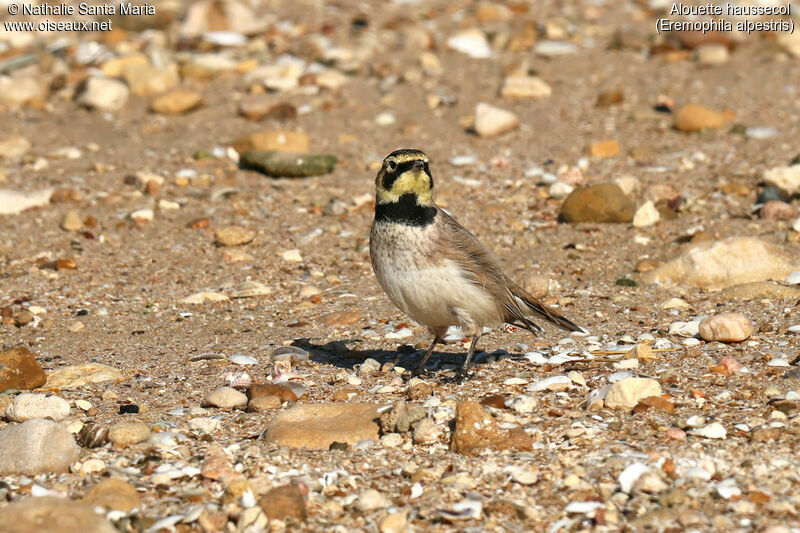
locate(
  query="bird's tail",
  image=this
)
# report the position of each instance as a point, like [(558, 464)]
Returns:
[(527, 302)]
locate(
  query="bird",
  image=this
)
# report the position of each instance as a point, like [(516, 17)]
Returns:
[(436, 271)]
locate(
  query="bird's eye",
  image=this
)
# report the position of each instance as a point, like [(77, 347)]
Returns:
[(391, 165)]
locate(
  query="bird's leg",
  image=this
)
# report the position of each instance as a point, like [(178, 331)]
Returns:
[(436, 340), (463, 371)]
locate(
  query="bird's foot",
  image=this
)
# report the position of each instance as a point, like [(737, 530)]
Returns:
[(463, 374)]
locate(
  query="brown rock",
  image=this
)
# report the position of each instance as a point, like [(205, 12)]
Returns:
[(113, 494), (498, 401), (262, 404), (340, 318), (609, 98), (257, 106), (604, 202), (760, 290), (199, 223), (316, 426), (777, 210), (217, 465), (233, 236), (284, 501), (476, 430), (283, 393), (656, 402), (765, 434), (266, 141), (345, 394), (20, 370), (420, 390), (726, 327), (176, 102), (609, 148), (48, 514), (694, 117)]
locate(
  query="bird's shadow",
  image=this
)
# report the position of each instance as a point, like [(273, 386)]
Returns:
[(340, 354)]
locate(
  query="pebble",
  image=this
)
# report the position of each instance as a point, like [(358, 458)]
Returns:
[(316, 426), (676, 434), (369, 367), (523, 404), (225, 398), (491, 120), (646, 215), (604, 149), (205, 424), (760, 132), (630, 475), (715, 430), (113, 494), (726, 327), (371, 500), (787, 179), (20, 370), (292, 256), (242, 360), (397, 523), (48, 514), (626, 393), (36, 446), (288, 165), (27, 406), (476, 430), (262, 404), (176, 102), (204, 297), (284, 501), (552, 383), (712, 54), (282, 392), (426, 432), (71, 221), (13, 202), (77, 376), (128, 433), (234, 236), (694, 117), (103, 94), (791, 279), (554, 48), (525, 88), (777, 210), (14, 147), (250, 289), (559, 189), (142, 215), (604, 202), (292, 142), (724, 263), (471, 42)]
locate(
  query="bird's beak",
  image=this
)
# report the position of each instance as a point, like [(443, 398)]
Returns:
[(419, 165)]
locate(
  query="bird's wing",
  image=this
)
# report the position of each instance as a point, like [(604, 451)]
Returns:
[(482, 267)]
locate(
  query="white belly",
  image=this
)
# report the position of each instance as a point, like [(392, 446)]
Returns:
[(435, 293)]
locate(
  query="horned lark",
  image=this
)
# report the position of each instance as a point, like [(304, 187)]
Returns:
[(436, 271)]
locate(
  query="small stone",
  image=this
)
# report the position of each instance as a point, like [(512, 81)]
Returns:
[(391, 440), (676, 434), (142, 215), (340, 318), (204, 297), (262, 404), (284, 501), (604, 202), (103, 94), (128, 433), (726, 327), (250, 289), (288, 165), (777, 210), (316, 426), (27, 406), (603, 149), (715, 430), (20, 370), (491, 120), (694, 117), (234, 236), (283, 393), (646, 215), (418, 389), (525, 88), (14, 147), (148, 80), (609, 98), (626, 393), (256, 107), (176, 102), (113, 494), (49, 514), (721, 264), (292, 256), (274, 141), (655, 402), (426, 432), (35, 447), (395, 523), (73, 377), (71, 221), (369, 367), (712, 54), (225, 398), (371, 500), (476, 430), (554, 48), (18, 91), (401, 417), (787, 179), (471, 42), (523, 404)]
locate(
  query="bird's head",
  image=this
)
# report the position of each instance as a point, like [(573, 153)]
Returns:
[(405, 175)]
